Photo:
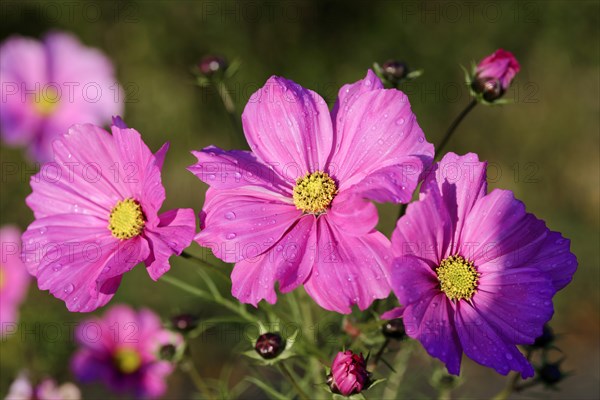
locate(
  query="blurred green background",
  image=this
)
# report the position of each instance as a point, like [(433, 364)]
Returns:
[(544, 147)]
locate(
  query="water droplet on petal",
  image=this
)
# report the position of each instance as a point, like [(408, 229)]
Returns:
[(69, 288), (230, 236), (230, 215)]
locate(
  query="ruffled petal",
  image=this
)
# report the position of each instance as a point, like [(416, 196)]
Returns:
[(288, 127), (350, 270), (289, 261), (486, 344), (174, 233), (395, 183), (461, 180), (223, 169), (244, 222), (516, 301), (425, 231), (127, 255), (352, 214), (378, 130), (555, 258)]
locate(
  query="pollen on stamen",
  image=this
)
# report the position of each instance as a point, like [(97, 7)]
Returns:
[(314, 192), (126, 219), (458, 278)]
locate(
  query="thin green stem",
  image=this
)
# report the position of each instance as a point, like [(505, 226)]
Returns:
[(400, 365), (378, 355), (235, 307), (453, 127), (295, 384), (229, 106), (191, 257), (189, 367)]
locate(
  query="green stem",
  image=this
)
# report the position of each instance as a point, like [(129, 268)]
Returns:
[(380, 352), (290, 378), (400, 365), (189, 256), (189, 367), (453, 127), (229, 106), (237, 308)]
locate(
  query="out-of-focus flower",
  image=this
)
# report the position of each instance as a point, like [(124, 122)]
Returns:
[(295, 209), (184, 322), (122, 350), (49, 85), (22, 389), (96, 208), (14, 279), (349, 373), (394, 71), (269, 345), (474, 271), (550, 374), (501, 66)]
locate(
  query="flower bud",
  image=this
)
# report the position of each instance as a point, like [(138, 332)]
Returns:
[(394, 71), (545, 340), (490, 88), (501, 66), (394, 329), (550, 373), (269, 345), (349, 373), (211, 65), (184, 322)]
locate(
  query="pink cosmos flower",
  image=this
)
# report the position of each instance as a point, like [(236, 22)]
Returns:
[(474, 272), (49, 85), (96, 208), (500, 65), (14, 279), (122, 351), (349, 373), (22, 389), (294, 209)]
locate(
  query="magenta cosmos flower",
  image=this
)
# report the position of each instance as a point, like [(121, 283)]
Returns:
[(48, 389), (293, 210), (501, 66), (122, 351), (349, 373), (474, 272), (96, 208), (14, 279), (49, 85)]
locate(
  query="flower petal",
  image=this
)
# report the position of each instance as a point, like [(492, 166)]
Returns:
[(461, 180), (244, 222), (223, 169), (174, 233), (425, 230), (487, 345), (349, 269), (516, 301), (377, 131), (289, 261), (289, 128), (353, 214)]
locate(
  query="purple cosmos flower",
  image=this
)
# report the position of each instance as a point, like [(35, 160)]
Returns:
[(293, 210), (96, 208), (349, 373), (474, 272), (49, 85), (501, 66), (14, 279), (122, 350), (22, 389)]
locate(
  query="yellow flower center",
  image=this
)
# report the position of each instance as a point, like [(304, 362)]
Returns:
[(314, 192), (126, 219), (2, 278), (458, 278), (127, 360), (46, 101)]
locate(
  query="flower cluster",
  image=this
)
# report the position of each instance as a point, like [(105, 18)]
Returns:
[(473, 271)]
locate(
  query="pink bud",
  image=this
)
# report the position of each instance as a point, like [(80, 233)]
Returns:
[(501, 65), (349, 373)]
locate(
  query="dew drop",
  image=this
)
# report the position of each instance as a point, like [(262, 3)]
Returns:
[(399, 121), (230, 236), (508, 356), (230, 215), (69, 288)]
